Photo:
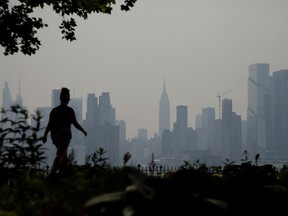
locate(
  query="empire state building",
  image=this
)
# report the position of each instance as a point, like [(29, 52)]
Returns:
[(164, 112)]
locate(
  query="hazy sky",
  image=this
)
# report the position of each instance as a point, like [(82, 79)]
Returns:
[(202, 47)]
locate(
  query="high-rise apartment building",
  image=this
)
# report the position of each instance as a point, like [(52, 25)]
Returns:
[(164, 112)]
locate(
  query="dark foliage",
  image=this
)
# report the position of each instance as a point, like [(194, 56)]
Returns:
[(127, 191), (21, 149), (19, 26), (96, 188)]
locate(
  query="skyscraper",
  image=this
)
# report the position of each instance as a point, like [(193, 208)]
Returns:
[(6, 102), (90, 123), (76, 104), (164, 112), (19, 99), (107, 113), (6, 97), (258, 89), (143, 133), (208, 128), (180, 127), (280, 115), (226, 127), (107, 132), (55, 98)]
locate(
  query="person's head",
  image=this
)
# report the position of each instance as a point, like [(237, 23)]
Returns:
[(65, 95)]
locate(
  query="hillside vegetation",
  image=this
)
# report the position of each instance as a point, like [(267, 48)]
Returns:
[(96, 188)]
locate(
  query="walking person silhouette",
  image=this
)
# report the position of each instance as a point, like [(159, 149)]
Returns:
[(60, 120)]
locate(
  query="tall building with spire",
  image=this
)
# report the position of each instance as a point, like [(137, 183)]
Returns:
[(164, 112), (6, 96), (6, 102), (19, 99)]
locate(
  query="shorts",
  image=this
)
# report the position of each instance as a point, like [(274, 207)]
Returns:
[(61, 139)]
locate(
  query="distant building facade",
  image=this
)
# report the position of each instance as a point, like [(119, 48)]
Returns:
[(279, 116), (231, 133)]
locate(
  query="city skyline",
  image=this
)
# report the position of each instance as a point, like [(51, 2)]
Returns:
[(203, 50), (163, 104), (264, 132), (163, 91), (163, 95)]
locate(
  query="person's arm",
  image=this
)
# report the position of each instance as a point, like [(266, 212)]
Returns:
[(78, 126), (47, 129)]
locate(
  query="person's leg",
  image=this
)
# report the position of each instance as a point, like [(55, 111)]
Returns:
[(60, 159), (55, 165), (61, 140)]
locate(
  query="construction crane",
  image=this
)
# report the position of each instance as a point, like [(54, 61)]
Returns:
[(219, 100)]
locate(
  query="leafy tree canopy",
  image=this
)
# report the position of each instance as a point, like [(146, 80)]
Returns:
[(19, 26)]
